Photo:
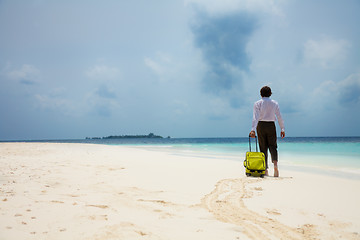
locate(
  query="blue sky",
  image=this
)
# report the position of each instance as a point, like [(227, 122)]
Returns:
[(184, 68)]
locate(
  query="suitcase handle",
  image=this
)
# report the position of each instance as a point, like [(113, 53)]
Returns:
[(255, 143)]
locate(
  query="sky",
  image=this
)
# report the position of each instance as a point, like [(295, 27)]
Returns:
[(180, 68)]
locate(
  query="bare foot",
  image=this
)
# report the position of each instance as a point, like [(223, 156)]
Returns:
[(276, 172)]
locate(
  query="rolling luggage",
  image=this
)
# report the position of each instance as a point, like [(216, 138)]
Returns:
[(254, 162)]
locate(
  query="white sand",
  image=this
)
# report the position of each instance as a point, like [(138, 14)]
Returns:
[(79, 191)]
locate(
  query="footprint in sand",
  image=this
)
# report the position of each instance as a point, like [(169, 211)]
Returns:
[(114, 169), (141, 233), (162, 202), (72, 195), (98, 206), (232, 209), (273, 212), (98, 217)]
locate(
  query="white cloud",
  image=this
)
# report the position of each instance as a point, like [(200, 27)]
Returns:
[(349, 90), (161, 64), (49, 102), (215, 6), (180, 107), (105, 92), (154, 66), (102, 72), (325, 52), (326, 89), (218, 109), (58, 100), (322, 97), (331, 94), (102, 102), (27, 74)]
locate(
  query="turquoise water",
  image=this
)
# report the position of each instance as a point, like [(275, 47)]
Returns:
[(334, 156), (330, 155)]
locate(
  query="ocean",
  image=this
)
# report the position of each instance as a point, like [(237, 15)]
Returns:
[(338, 156)]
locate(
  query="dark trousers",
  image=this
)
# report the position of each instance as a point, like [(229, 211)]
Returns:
[(266, 132)]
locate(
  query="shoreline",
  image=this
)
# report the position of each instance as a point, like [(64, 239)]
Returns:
[(299, 165), (84, 191), (319, 158)]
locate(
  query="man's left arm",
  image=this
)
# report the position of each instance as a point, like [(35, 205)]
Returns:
[(281, 121)]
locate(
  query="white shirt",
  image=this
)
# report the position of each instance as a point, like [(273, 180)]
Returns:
[(267, 110)]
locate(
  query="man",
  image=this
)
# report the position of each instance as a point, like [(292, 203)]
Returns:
[(266, 111)]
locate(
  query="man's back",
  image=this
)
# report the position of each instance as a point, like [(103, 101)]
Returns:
[(267, 110)]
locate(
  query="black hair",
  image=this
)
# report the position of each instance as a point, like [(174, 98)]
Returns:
[(265, 91)]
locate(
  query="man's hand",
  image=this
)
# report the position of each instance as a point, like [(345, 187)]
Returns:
[(252, 134), (282, 134)]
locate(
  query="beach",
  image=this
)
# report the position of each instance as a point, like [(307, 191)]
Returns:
[(89, 191)]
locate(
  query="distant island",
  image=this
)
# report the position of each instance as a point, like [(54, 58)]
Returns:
[(150, 135)]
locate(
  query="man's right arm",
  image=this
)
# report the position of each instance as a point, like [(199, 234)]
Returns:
[(255, 120)]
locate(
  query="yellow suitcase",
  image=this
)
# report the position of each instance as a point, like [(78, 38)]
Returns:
[(254, 162)]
